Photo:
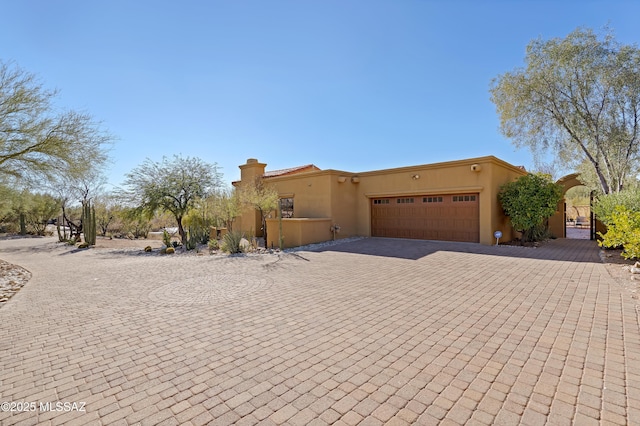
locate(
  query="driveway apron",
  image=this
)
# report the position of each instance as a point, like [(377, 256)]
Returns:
[(374, 331)]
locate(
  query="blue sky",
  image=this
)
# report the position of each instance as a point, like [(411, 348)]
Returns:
[(348, 85)]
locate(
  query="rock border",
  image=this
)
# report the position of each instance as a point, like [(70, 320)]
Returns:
[(12, 279)]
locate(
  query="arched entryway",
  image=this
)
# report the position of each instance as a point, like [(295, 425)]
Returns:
[(577, 213), (580, 223)]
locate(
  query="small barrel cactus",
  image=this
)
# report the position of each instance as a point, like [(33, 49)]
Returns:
[(148, 249), (170, 250)]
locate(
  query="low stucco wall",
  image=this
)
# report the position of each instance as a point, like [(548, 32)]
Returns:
[(299, 231)]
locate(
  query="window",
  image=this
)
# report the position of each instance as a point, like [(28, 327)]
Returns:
[(381, 201), (405, 200), (463, 198), (432, 200), (286, 207)]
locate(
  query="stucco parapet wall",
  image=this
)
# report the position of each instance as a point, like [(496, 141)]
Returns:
[(490, 159), (447, 164), (314, 173), (430, 191)]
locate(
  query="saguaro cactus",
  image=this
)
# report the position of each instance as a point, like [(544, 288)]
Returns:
[(89, 223)]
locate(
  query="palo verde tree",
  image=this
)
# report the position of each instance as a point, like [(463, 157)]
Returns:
[(107, 209), (7, 195), (580, 97), (28, 212), (41, 209), (530, 201), (226, 207), (39, 143), (171, 185), (260, 196)]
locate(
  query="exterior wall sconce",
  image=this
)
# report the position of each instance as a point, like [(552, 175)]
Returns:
[(355, 179), (415, 177), (476, 167), (342, 179)]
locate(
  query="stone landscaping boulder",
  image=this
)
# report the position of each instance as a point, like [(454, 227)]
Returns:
[(245, 245)]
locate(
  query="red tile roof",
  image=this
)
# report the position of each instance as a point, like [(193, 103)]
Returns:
[(290, 171)]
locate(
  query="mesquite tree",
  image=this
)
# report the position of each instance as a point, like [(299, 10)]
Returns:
[(579, 97), (171, 185)]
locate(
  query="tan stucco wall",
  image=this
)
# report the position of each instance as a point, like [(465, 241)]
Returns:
[(479, 175), (298, 232), (249, 221), (492, 217), (321, 195), (345, 197), (310, 192), (556, 222), (344, 204)]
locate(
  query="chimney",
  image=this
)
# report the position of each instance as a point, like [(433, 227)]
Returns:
[(251, 170)]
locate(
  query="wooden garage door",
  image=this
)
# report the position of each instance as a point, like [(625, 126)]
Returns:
[(427, 217)]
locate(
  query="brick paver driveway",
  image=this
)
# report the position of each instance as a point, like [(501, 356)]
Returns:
[(376, 331)]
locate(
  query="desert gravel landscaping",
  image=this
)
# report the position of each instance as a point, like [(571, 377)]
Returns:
[(373, 331)]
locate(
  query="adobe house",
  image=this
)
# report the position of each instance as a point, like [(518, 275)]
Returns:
[(450, 201)]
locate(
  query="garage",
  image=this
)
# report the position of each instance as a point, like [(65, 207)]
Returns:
[(450, 217)]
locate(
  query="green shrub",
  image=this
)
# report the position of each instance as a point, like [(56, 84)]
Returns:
[(191, 243), (623, 230), (213, 245), (166, 238), (134, 224), (170, 250), (231, 242), (605, 205), (195, 236), (530, 201)]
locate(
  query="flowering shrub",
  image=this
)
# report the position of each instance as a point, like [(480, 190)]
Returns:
[(623, 230)]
